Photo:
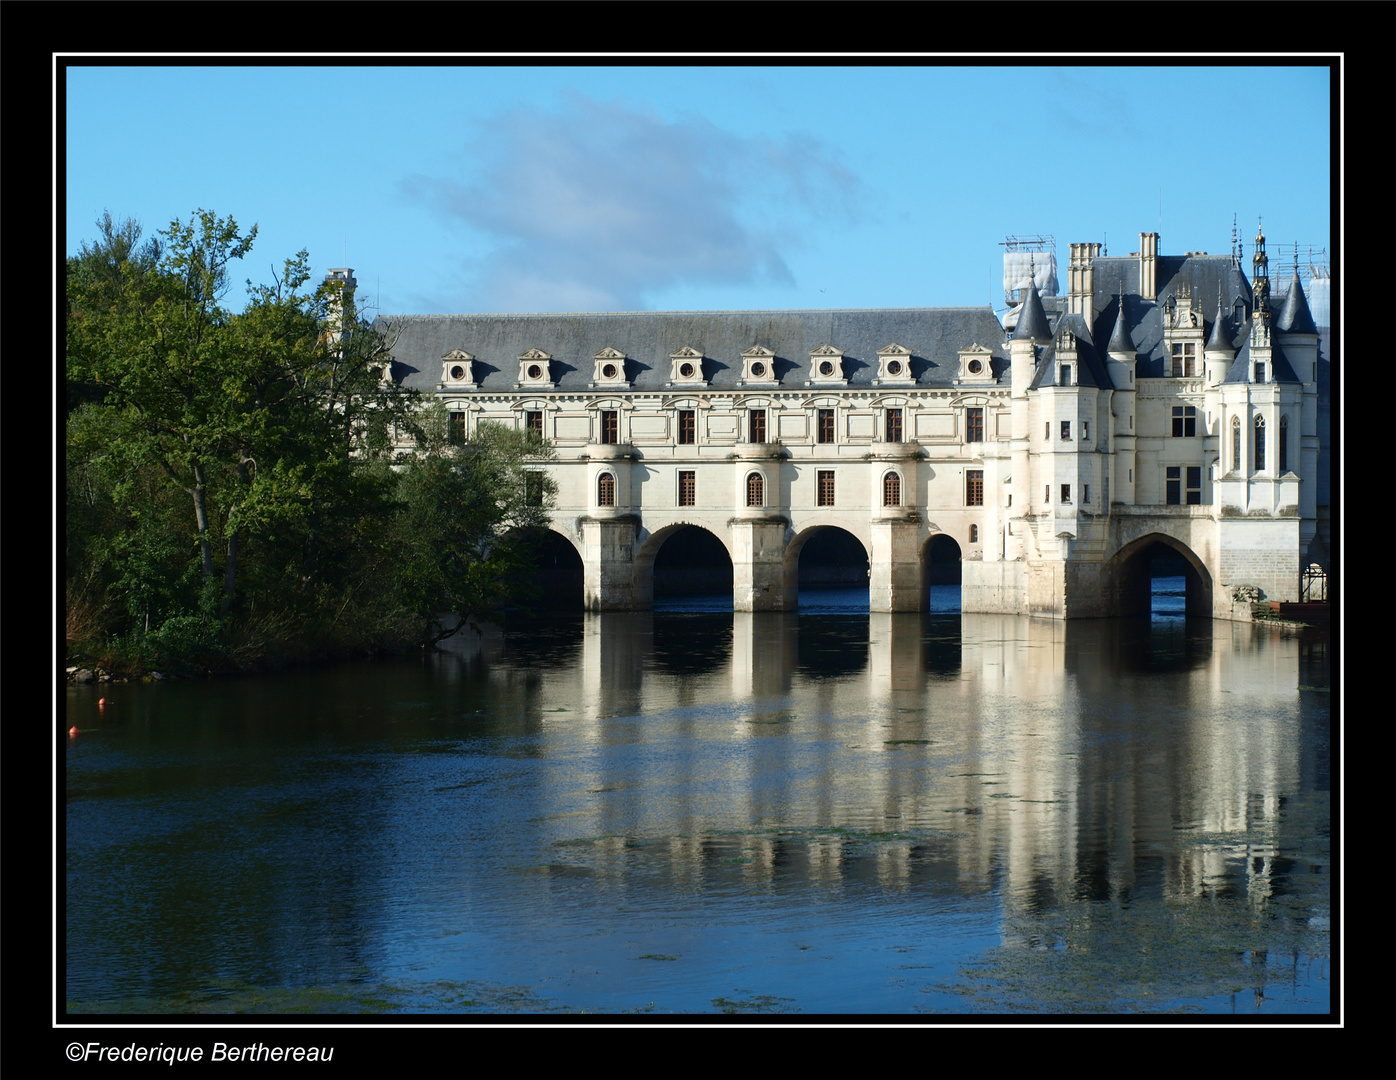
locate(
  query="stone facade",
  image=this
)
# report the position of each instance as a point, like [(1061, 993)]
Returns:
[(1149, 405)]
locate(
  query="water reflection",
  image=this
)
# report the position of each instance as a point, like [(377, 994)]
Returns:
[(884, 789)]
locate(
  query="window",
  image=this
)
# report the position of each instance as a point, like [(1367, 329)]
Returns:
[(1086, 430), (688, 426), (610, 426), (974, 534), (1047, 430), (606, 490), (1173, 496), (1236, 443), (1284, 444), (688, 489), (755, 490), (1066, 431), (1184, 359), (533, 421), (824, 430), (825, 480), (457, 433), (974, 487), (891, 490), (894, 425), (533, 489), (1259, 444), (974, 425), (1047, 493), (1194, 485), (1064, 379), (1085, 493), (1184, 421), (756, 427), (1066, 493), (1259, 372)]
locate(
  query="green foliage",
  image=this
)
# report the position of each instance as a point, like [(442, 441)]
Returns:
[(232, 495)]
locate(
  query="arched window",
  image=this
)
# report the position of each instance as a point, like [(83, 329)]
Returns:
[(605, 490), (1259, 444), (891, 490), (974, 534), (755, 490), (1236, 443), (1284, 444)]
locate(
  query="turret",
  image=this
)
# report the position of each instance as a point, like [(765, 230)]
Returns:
[(1122, 359), (1218, 353)]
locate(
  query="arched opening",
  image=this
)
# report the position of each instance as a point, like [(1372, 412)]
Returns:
[(559, 575), (692, 572), (1161, 578), (940, 560), (831, 566)]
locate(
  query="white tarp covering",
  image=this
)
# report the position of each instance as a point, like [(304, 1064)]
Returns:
[(1318, 296), (1022, 267)]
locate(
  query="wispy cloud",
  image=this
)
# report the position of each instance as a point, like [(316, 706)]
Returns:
[(1079, 106), (598, 206)]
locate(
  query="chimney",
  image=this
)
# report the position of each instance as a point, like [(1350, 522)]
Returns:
[(1148, 266), (1080, 277)]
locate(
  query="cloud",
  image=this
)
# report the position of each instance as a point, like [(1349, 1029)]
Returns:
[(1074, 104), (596, 206)]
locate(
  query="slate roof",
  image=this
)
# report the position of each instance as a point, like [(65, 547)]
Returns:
[(1090, 369), (647, 338), (1144, 319)]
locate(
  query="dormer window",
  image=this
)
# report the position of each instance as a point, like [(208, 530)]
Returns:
[(535, 368), (826, 366), (609, 369), (457, 370), (894, 365), (1260, 371), (758, 365), (1184, 359), (975, 366), (1064, 375), (686, 367)]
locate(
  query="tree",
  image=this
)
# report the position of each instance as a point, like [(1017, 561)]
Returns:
[(231, 474), (250, 415), (470, 518)]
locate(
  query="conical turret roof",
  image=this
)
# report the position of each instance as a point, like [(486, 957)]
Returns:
[(1296, 317), (1220, 339), (1032, 321), (1120, 341)]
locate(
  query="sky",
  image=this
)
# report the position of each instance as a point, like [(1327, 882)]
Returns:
[(480, 186)]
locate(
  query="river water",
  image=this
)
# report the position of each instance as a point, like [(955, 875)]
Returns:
[(696, 811)]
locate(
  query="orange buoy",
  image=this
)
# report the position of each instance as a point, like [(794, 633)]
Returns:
[(73, 730), (101, 703)]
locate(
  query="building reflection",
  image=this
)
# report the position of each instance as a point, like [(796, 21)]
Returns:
[(1087, 762)]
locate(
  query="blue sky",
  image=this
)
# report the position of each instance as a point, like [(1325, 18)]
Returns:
[(475, 187)]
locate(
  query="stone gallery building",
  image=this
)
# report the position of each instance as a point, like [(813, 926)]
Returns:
[(1161, 400)]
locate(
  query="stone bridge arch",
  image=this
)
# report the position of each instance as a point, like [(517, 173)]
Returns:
[(647, 550), (796, 547), (1128, 574)]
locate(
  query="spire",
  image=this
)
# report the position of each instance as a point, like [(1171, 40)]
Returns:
[(1120, 340), (1260, 274), (1032, 320)]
